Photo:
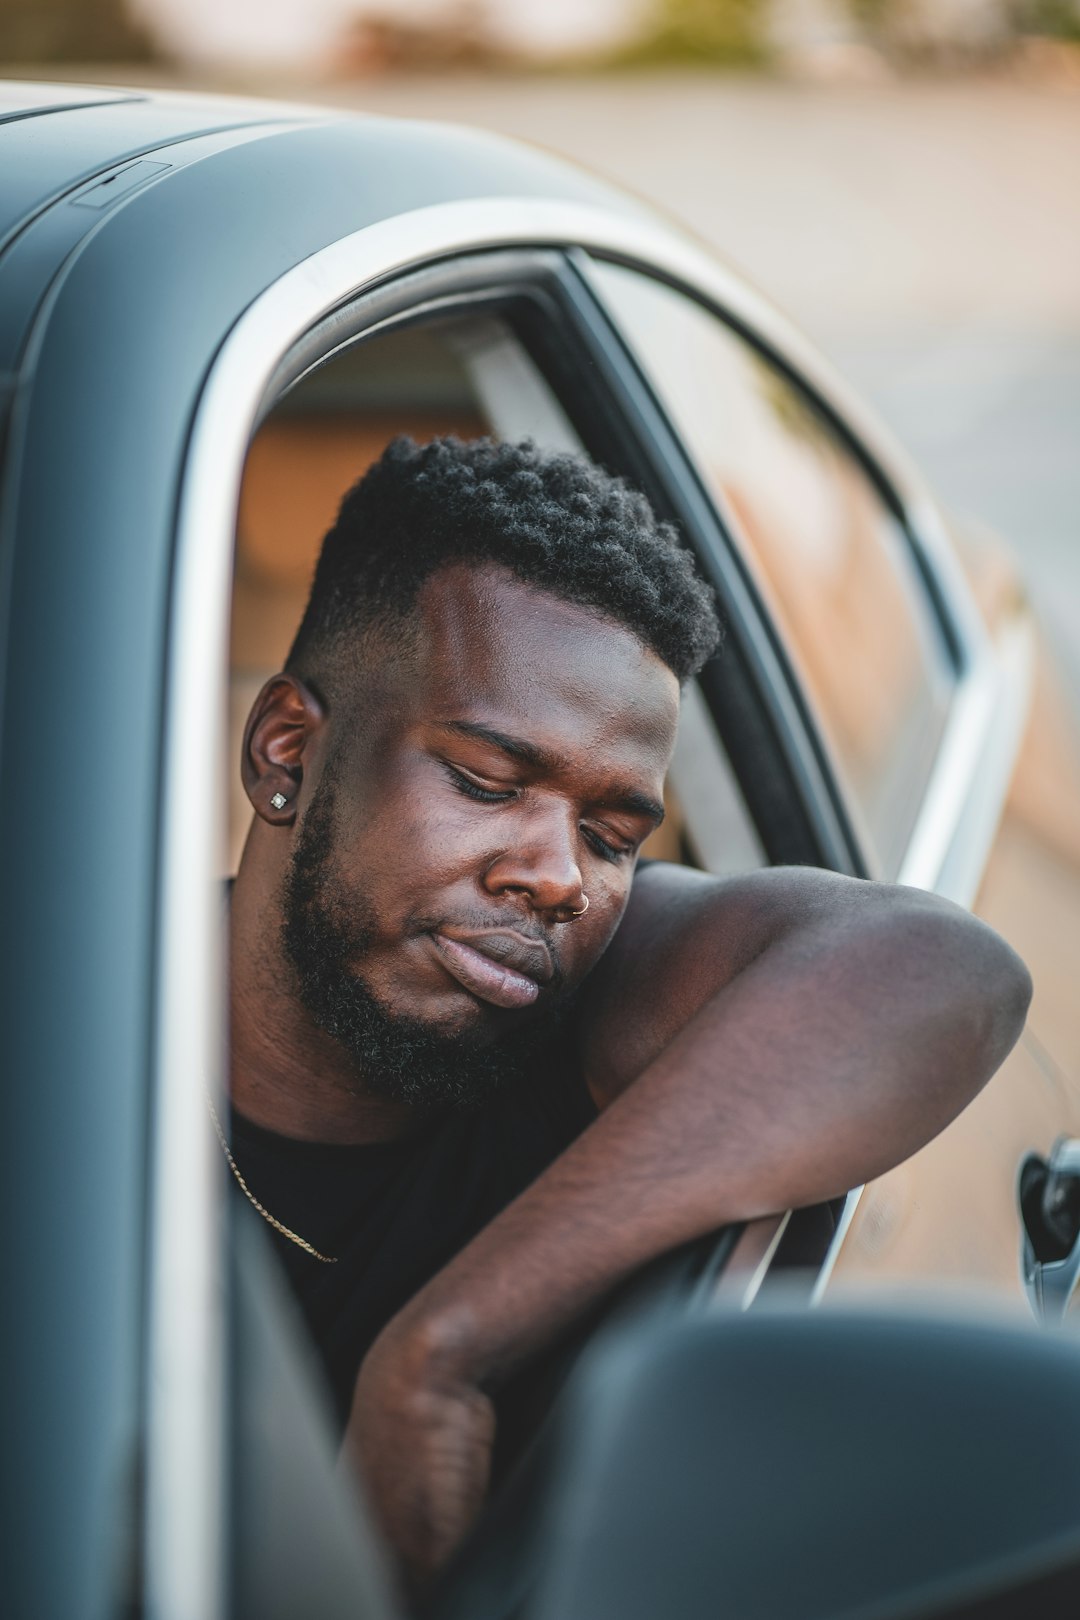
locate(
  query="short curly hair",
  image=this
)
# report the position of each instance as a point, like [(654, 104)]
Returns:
[(555, 520)]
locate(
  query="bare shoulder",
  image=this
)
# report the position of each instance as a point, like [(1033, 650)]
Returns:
[(680, 915), (685, 935)]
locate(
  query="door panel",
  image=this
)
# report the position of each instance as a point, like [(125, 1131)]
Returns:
[(950, 1214)]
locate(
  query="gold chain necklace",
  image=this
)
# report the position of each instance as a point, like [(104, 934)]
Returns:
[(294, 1237)]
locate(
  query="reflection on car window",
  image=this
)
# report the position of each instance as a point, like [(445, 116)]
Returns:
[(832, 562)]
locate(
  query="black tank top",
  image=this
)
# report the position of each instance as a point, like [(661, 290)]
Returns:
[(394, 1213)]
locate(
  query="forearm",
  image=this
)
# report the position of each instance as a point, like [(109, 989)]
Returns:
[(834, 1055)]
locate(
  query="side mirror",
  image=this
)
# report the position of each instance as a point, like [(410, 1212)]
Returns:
[(1049, 1196), (826, 1465)]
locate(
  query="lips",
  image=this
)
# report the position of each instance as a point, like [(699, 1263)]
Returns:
[(500, 968)]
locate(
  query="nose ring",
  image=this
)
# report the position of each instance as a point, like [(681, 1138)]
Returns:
[(583, 910)]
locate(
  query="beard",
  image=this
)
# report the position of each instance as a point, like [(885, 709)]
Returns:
[(327, 928)]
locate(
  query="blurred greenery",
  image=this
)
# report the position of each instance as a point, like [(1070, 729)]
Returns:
[(72, 31), (731, 33), (720, 31), (873, 14), (1058, 18)]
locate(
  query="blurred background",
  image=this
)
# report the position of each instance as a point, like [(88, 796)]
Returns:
[(902, 176)]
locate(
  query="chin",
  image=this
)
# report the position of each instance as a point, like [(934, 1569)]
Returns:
[(455, 1016), (430, 1000)]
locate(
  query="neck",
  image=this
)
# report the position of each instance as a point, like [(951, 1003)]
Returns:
[(285, 1073)]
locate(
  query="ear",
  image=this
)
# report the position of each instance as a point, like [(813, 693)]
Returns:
[(285, 722)]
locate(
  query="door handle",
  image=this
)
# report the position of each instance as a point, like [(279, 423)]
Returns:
[(1049, 1196)]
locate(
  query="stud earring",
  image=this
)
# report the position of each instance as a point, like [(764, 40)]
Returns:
[(279, 801)]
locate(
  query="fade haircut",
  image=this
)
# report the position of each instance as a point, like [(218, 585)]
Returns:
[(555, 521)]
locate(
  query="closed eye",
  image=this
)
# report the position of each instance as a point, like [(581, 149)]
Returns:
[(472, 790), (606, 851)]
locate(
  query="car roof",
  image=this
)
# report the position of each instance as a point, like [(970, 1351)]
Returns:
[(26, 99), (54, 138), (193, 165)]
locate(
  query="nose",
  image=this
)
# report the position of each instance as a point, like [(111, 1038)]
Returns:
[(541, 865)]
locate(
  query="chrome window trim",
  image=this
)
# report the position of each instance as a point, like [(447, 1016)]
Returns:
[(186, 1491), (185, 1500), (739, 1284), (186, 1486), (950, 848), (948, 853)]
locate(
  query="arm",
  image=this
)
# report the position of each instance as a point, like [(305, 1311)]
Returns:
[(755, 1045)]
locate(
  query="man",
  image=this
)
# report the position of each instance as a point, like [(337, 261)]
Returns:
[(480, 1072)]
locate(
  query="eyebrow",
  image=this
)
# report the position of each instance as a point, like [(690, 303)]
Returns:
[(527, 753)]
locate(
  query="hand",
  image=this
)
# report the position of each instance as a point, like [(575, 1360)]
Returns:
[(420, 1438)]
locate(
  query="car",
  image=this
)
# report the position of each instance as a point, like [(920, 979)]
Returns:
[(213, 314)]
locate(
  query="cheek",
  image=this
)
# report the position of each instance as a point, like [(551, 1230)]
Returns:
[(418, 839), (586, 939)]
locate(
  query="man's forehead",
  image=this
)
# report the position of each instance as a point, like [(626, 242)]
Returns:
[(491, 644)]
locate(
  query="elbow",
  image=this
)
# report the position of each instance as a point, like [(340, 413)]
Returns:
[(961, 1009), (984, 988), (1011, 990)]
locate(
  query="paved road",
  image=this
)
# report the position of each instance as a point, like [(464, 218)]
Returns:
[(927, 235)]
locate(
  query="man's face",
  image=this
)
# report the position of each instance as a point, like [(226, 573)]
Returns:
[(506, 772)]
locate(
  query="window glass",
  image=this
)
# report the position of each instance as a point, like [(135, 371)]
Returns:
[(706, 822), (468, 375), (832, 562)]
